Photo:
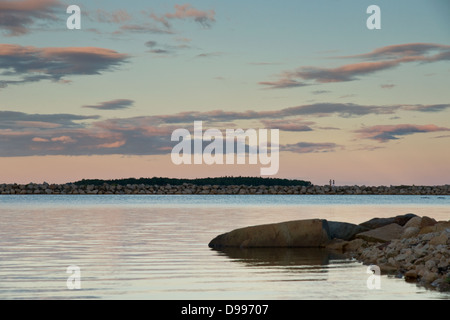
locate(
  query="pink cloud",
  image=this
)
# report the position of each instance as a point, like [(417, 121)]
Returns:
[(38, 124), (283, 83), (112, 105), (384, 58), (297, 125), (118, 16), (64, 139), (37, 139), (402, 50), (310, 147), (36, 64), (116, 144), (384, 133), (17, 17), (186, 11), (347, 72), (8, 133)]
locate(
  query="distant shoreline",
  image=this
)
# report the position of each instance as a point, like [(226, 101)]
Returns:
[(192, 189)]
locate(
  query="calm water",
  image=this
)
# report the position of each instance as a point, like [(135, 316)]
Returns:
[(155, 247)]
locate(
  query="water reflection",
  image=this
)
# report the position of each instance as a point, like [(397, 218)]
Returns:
[(287, 257)]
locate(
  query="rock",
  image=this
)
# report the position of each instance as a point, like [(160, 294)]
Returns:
[(420, 269), (429, 276), (427, 222), (430, 264), (404, 255), (444, 264), (381, 222), (392, 262), (441, 239), (441, 226), (301, 233), (438, 283), (419, 252), (410, 232), (428, 236), (400, 257), (438, 227), (355, 245), (370, 255), (343, 230), (411, 275), (383, 234), (413, 222), (337, 245), (403, 251), (387, 269), (425, 230)]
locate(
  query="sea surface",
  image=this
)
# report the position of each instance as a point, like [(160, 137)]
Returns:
[(156, 247)]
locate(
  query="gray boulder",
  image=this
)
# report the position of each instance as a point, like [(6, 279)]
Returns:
[(312, 233), (384, 234), (344, 231), (381, 222)]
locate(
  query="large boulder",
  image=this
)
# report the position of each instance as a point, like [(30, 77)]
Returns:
[(409, 232), (427, 222), (438, 227), (381, 222), (311, 233), (343, 230), (414, 223), (386, 233)]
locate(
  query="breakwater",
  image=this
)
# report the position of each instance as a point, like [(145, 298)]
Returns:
[(70, 188)]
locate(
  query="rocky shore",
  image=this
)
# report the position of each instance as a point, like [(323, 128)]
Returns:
[(70, 188), (418, 251), (407, 246)]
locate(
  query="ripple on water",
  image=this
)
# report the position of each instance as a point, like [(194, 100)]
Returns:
[(156, 248)]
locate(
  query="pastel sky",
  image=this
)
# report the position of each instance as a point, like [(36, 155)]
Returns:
[(355, 105)]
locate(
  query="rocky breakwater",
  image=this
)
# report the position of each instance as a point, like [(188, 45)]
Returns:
[(415, 248), (186, 188)]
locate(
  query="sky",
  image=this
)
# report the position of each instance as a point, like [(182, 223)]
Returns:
[(359, 106)]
